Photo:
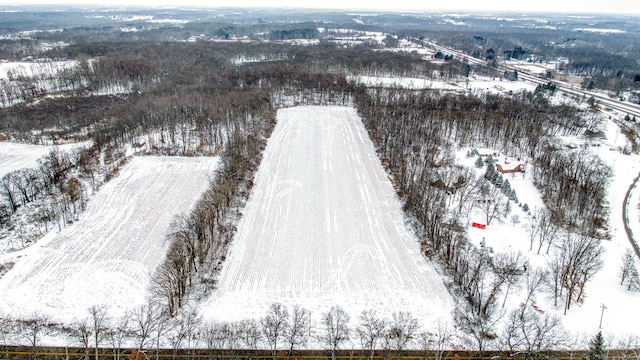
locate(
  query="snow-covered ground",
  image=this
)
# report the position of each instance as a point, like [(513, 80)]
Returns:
[(621, 315), (493, 86), (14, 156), (30, 69), (324, 227), (106, 257)]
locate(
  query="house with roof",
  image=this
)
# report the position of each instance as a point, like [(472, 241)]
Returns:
[(506, 165), (503, 163)]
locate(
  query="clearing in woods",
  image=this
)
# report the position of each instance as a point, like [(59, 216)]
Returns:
[(323, 226), (108, 256)]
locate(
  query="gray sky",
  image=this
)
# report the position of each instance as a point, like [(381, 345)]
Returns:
[(574, 6)]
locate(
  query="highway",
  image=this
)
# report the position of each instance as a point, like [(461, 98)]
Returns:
[(613, 108), (563, 87)]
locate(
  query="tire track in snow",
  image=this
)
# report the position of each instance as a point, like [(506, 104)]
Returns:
[(108, 255), (338, 237)]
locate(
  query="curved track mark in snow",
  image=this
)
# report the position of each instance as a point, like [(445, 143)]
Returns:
[(323, 226), (108, 256)]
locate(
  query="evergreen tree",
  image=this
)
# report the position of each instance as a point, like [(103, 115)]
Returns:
[(596, 348), (525, 208), (489, 172), (479, 162), (498, 181), (506, 187)]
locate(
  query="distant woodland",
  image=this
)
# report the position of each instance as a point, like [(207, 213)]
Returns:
[(203, 98)]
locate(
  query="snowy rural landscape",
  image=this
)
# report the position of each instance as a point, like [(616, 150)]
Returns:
[(108, 256), (293, 183), (324, 227)]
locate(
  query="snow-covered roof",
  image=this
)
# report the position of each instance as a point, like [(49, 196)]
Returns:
[(507, 163)]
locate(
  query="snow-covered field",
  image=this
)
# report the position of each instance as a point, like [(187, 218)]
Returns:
[(29, 69), (492, 86), (324, 227), (107, 256), (15, 156)]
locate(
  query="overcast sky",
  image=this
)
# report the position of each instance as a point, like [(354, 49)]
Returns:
[(573, 6)]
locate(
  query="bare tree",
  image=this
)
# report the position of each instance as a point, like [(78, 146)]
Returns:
[(401, 330), (213, 335), (145, 320), (534, 279), (6, 328), (251, 335), (80, 332), (336, 329), (480, 327), (542, 230), (629, 272), (298, 331), (437, 342), (508, 268), (274, 326), (99, 325), (119, 332), (370, 331), (33, 327), (530, 331), (582, 259), (184, 328), (491, 201)]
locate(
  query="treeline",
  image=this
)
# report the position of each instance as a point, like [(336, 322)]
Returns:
[(574, 186), (198, 241), (285, 331), (55, 192)]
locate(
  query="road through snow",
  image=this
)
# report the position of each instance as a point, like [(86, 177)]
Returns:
[(323, 226), (108, 256)]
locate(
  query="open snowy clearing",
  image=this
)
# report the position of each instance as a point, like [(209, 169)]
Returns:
[(107, 257), (29, 69), (324, 227), (620, 318), (17, 156), (483, 84)]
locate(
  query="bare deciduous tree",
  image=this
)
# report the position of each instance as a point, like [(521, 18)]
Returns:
[(274, 326), (530, 331), (120, 331), (401, 330), (336, 329), (370, 331), (80, 332), (582, 259), (33, 327), (251, 335), (542, 230), (99, 325), (145, 320), (438, 342), (491, 201), (299, 328), (480, 327), (629, 272)]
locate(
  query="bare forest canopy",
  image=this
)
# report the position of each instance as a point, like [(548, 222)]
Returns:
[(184, 92)]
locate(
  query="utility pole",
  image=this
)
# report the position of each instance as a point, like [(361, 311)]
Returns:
[(601, 315)]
